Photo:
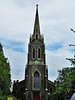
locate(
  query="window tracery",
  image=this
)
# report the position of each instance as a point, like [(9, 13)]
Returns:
[(38, 53), (33, 53), (36, 80)]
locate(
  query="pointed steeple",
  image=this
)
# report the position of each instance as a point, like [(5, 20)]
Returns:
[(36, 24)]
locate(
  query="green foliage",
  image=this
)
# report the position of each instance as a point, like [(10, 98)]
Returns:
[(5, 81), (5, 97), (65, 84)]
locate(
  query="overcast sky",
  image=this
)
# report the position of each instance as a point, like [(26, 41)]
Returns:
[(17, 22)]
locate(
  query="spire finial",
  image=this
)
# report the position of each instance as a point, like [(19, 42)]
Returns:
[(36, 9), (37, 5), (36, 24)]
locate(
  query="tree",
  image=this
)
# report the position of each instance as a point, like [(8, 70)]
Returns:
[(5, 81), (65, 81), (65, 84)]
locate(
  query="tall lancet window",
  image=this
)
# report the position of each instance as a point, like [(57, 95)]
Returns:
[(38, 53), (36, 80), (36, 36), (33, 53)]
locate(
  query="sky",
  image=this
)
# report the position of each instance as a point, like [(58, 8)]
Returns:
[(17, 22)]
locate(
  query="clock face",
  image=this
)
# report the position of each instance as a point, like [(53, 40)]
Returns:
[(36, 62)]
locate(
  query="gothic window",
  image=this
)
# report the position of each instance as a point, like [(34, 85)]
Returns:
[(36, 36), (36, 80), (33, 53), (38, 53)]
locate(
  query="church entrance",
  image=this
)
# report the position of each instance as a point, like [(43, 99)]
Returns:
[(36, 97)]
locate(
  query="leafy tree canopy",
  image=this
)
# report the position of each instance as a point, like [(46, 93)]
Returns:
[(5, 81), (65, 84)]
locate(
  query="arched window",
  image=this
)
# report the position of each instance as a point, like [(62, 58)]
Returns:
[(36, 80), (38, 53), (33, 53), (36, 36)]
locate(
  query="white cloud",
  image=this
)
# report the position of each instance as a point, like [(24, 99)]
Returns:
[(14, 21), (16, 24), (56, 60), (17, 61)]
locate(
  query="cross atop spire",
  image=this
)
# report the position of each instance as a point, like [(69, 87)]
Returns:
[(36, 24)]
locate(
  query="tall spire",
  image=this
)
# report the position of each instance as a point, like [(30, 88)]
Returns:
[(36, 24)]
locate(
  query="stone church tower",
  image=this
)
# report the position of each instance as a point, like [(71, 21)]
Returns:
[(36, 85)]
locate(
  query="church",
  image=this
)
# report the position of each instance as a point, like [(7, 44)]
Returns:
[(36, 85)]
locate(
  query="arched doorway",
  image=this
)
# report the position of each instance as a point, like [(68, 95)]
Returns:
[(36, 97)]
